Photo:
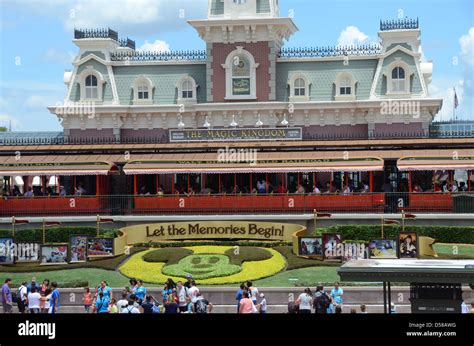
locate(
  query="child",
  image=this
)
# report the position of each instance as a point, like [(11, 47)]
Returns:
[(262, 307), (113, 309), (87, 299)]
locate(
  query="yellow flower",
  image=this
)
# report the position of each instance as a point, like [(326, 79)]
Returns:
[(252, 270)]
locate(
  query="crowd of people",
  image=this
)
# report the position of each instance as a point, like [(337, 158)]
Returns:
[(31, 297), (247, 299), (321, 301), (38, 191)]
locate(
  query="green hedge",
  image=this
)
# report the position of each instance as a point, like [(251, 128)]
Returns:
[(57, 234), (442, 234), (167, 255)]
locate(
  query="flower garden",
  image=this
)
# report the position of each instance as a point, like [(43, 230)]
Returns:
[(211, 265)]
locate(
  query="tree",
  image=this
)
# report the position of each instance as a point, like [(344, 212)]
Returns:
[(3, 129)]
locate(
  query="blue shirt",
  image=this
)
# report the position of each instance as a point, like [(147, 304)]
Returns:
[(239, 295), (6, 292), (335, 293), (106, 291), (166, 293), (140, 292), (102, 304), (53, 299)]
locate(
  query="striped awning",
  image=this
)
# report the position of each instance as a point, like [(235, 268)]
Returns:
[(436, 163), (264, 163), (61, 168)]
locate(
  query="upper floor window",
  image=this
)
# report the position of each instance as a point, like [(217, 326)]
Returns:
[(91, 84), (187, 92), (299, 87), (398, 79), (240, 2), (142, 91), (345, 86), (240, 67), (186, 89), (92, 88)]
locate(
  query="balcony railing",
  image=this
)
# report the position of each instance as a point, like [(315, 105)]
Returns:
[(189, 55), (238, 204), (104, 33), (399, 24), (320, 52)]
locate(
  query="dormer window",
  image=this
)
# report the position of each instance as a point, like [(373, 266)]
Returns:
[(92, 89), (187, 89), (91, 85), (398, 78), (299, 88), (345, 87), (142, 91)]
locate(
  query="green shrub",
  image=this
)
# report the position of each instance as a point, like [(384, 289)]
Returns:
[(167, 255), (57, 234), (442, 234), (247, 253)]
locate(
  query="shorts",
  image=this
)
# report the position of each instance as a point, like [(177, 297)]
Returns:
[(183, 308), (7, 308), (87, 307), (34, 310)]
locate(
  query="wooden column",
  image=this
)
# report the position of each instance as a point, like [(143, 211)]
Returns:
[(97, 185), (134, 184), (266, 182), (251, 183), (235, 183)]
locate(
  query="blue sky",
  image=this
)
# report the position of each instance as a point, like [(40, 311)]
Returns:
[(36, 41)]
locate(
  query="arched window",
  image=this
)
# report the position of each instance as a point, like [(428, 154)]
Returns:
[(92, 89), (300, 87), (142, 91), (398, 79), (345, 86), (187, 91), (241, 75)]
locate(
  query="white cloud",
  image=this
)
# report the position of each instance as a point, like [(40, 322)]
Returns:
[(6, 119), (58, 55), (466, 43), (35, 101), (157, 46), (352, 36), (443, 89)]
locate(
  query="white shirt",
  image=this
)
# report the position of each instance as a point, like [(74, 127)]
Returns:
[(121, 304), (263, 304), (182, 294), (130, 310), (23, 291), (47, 303), (34, 300), (305, 301), (193, 291), (316, 190), (254, 293)]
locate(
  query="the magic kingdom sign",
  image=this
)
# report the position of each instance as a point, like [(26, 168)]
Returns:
[(236, 134)]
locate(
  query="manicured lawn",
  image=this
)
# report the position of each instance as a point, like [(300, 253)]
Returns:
[(454, 250), (92, 275), (305, 277)]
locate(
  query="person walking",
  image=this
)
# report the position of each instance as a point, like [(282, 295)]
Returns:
[(22, 297), (7, 297), (87, 299), (321, 300), (55, 299), (239, 295), (305, 301)]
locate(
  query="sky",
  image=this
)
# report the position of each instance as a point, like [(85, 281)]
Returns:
[(36, 42)]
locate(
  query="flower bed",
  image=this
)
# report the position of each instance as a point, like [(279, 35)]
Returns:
[(224, 273)]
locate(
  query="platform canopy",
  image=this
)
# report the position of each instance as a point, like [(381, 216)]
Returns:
[(47, 165), (462, 161), (244, 162), (408, 270)]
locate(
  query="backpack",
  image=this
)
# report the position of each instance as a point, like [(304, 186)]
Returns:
[(16, 296), (322, 302), (201, 306), (292, 308)]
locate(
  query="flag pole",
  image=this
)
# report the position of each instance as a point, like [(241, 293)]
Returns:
[(315, 216), (44, 232), (403, 220), (382, 227), (13, 226), (98, 225)]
